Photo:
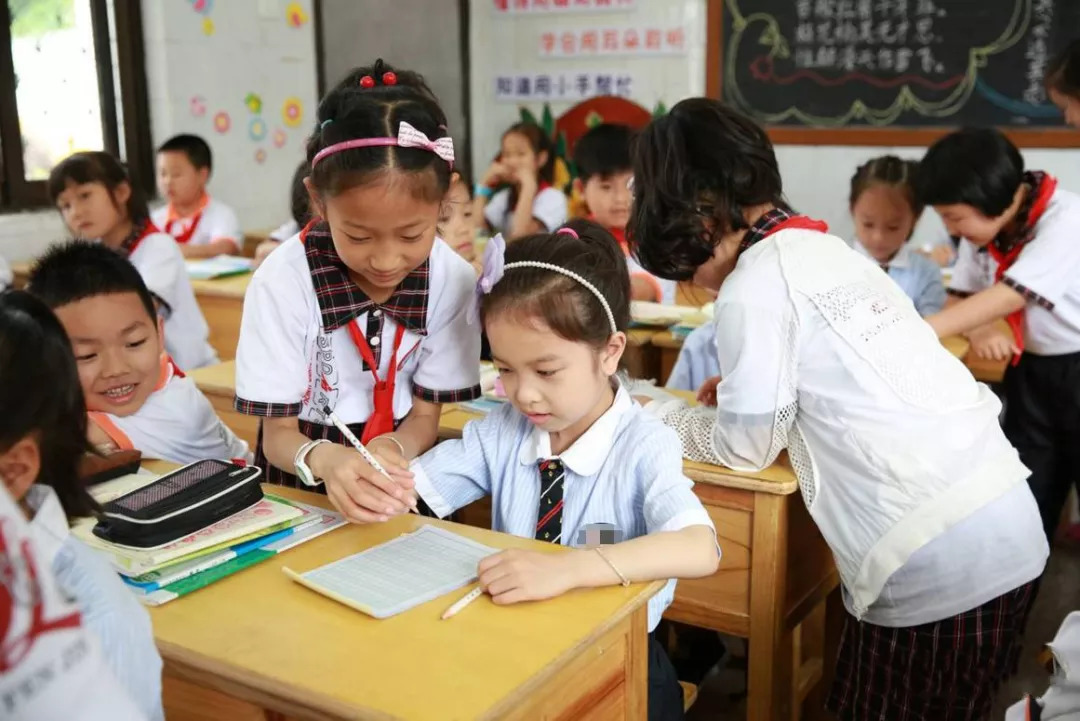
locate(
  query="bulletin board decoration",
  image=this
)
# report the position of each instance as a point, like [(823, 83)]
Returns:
[(197, 106), (254, 103), (280, 138), (203, 7), (260, 156), (208, 26), (890, 73)]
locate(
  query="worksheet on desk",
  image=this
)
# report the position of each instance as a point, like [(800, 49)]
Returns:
[(395, 576)]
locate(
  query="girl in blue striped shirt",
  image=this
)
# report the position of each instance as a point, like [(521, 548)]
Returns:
[(572, 459)]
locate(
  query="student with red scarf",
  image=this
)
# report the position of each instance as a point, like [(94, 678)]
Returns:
[(1019, 260)]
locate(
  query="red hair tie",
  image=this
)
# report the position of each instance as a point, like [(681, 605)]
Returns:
[(367, 82), (389, 78)]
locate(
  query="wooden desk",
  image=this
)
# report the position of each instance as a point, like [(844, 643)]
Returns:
[(258, 640), (218, 383), (668, 346), (222, 304), (774, 578), (641, 358), (987, 371)]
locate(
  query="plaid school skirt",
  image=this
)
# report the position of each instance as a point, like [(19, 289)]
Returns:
[(949, 670)]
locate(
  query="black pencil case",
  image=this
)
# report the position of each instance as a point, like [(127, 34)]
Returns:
[(179, 503)]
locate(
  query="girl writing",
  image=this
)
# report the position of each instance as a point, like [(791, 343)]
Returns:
[(364, 312), (571, 452), (98, 201), (42, 441), (529, 204), (885, 211), (898, 451)]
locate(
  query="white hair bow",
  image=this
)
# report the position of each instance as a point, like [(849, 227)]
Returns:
[(410, 137)]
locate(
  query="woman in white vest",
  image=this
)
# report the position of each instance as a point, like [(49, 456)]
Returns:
[(898, 451)]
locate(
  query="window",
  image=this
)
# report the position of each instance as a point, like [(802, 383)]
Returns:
[(62, 63)]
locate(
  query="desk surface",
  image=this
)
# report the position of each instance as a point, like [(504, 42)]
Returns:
[(285, 643), (233, 286), (667, 339), (218, 379)]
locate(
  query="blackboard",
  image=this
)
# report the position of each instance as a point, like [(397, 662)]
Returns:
[(891, 64)]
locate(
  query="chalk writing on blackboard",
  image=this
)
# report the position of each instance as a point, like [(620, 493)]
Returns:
[(833, 63)]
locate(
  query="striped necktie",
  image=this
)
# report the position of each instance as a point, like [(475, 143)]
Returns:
[(549, 514)]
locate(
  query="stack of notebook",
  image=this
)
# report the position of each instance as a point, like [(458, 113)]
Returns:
[(162, 574)]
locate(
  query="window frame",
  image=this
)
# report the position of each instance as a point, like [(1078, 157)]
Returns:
[(16, 192)]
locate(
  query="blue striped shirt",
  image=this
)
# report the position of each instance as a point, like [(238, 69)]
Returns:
[(109, 611), (625, 470), (698, 360)]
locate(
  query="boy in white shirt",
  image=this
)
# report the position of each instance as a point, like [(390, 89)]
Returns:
[(204, 227), (1019, 260), (897, 449), (136, 396)]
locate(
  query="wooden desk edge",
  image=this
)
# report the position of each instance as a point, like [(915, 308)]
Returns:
[(516, 697)]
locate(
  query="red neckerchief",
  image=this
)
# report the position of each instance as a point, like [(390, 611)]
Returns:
[(381, 420), (187, 234), (776, 220), (1005, 252), (620, 236), (131, 243)]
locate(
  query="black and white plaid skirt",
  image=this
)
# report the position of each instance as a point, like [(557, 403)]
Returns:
[(949, 670)]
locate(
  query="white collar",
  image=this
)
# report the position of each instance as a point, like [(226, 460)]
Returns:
[(49, 527), (902, 259), (585, 456)]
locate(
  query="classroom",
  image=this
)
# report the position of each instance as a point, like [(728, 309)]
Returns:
[(773, 306)]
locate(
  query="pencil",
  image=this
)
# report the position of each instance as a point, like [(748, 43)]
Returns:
[(462, 603), (355, 443)]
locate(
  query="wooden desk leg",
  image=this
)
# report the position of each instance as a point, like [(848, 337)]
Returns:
[(637, 667), (770, 676)]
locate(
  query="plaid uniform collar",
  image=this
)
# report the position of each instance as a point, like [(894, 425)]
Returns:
[(138, 232), (763, 226), (341, 300)]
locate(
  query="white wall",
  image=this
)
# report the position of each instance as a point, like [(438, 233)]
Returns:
[(502, 43)]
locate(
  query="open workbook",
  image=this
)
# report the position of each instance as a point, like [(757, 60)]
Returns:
[(395, 576)]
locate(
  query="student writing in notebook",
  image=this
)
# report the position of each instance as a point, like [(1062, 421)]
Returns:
[(42, 440), (364, 311), (136, 397), (571, 450)]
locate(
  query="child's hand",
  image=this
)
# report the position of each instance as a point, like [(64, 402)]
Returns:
[(941, 254), (524, 180), (514, 576), (496, 174), (993, 345), (356, 489), (706, 395)]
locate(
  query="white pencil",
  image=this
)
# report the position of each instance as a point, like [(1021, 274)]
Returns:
[(355, 442), (463, 602)]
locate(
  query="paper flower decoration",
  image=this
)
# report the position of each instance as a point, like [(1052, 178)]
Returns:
[(203, 7), (292, 112), (295, 15), (253, 102), (280, 138), (222, 122), (260, 156), (207, 26), (257, 129), (197, 105)]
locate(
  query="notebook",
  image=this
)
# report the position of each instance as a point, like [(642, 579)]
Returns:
[(221, 266), (395, 576)]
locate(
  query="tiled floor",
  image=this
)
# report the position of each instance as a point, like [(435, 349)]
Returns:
[(1059, 594)]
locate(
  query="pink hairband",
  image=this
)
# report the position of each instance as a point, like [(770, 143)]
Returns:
[(407, 137)]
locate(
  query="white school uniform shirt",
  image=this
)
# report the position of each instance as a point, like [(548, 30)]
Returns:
[(697, 361), (1047, 273), (898, 451), (917, 275), (109, 610), (1061, 702), (58, 673), (176, 423), (216, 221), (549, 207), (161, 264), (295, 354), (625, 470), (284, 231)]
